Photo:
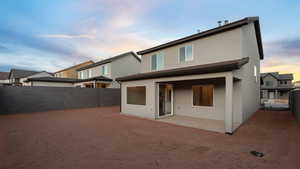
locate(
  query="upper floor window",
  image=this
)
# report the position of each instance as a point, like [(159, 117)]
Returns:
[(157, 61), (90, 73), (104, 70), (269, 83), (186, 53)]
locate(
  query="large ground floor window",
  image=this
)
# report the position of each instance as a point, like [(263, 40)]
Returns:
[(203, 95), (136, 95)]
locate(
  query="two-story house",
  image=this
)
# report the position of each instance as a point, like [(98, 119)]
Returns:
[(102, 74), (276, 86), (71, 72), (209, 80)]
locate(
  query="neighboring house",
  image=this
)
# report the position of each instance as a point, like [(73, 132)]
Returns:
[(297, 85), (102, 74), (210, 78), (51, 82), (71, 72), (276, 86), (4, 78), (18, 77)]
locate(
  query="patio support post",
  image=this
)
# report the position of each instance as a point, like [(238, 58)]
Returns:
[(228, 103)]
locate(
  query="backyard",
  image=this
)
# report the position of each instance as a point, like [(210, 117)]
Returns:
[(102, 138)]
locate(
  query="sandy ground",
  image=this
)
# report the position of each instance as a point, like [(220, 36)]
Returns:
[(100, 138)]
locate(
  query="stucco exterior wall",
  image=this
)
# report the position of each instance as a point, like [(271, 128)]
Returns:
[(182, 98), (51, 84), (183, 102), (216, 48), (250, 84)]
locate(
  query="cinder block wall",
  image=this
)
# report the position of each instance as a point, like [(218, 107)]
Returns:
[(295, 104), (37, 99)]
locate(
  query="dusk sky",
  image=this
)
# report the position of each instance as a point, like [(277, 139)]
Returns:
[(51, 35)]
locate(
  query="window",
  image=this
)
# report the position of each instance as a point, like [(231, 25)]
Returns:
[(136, 95), (186, 53), (269, 83), (83, 74), (90, 73), (104, 70), (285, 82), (203, 95), (157, 61), (255, 73)]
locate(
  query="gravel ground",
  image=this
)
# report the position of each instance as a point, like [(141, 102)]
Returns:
[(101, 138)]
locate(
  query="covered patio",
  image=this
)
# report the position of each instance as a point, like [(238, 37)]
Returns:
[(202, 101), (95, 82)]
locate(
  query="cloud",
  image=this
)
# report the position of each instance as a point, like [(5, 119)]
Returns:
[(116, 26), (283, 47), (282, 56), (64, 36), (14, 38), (4, 49)]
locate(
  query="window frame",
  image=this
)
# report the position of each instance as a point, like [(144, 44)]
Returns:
[(202, 106), (104, 70), (144, 86), (163, 64), (185, 46)]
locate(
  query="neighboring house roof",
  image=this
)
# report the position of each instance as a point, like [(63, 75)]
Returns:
[(51, 79), (20, 73), (4, 75), (67, 80), (278, 76), (109, 60), (98, 78), (78, 65), (214, 31), (190, 70)]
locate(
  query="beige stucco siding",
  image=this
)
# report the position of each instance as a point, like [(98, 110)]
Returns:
[(216, 48), (51, 84), (183, 103), (250, 85), (146, 111), (182, 98)]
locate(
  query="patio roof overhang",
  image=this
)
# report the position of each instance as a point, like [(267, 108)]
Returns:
[(191, 70)]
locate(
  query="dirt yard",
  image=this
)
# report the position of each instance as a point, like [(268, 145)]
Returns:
[(100, 138)]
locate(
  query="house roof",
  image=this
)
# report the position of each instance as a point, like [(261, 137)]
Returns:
[(20, 73), (52, 79), (278, 76), (214, 31), (109, 60), (67, 80), (4, 75), (90, 61), (98, 78), (190, 70)]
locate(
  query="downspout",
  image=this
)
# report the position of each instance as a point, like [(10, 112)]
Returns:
[(120, 96)]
